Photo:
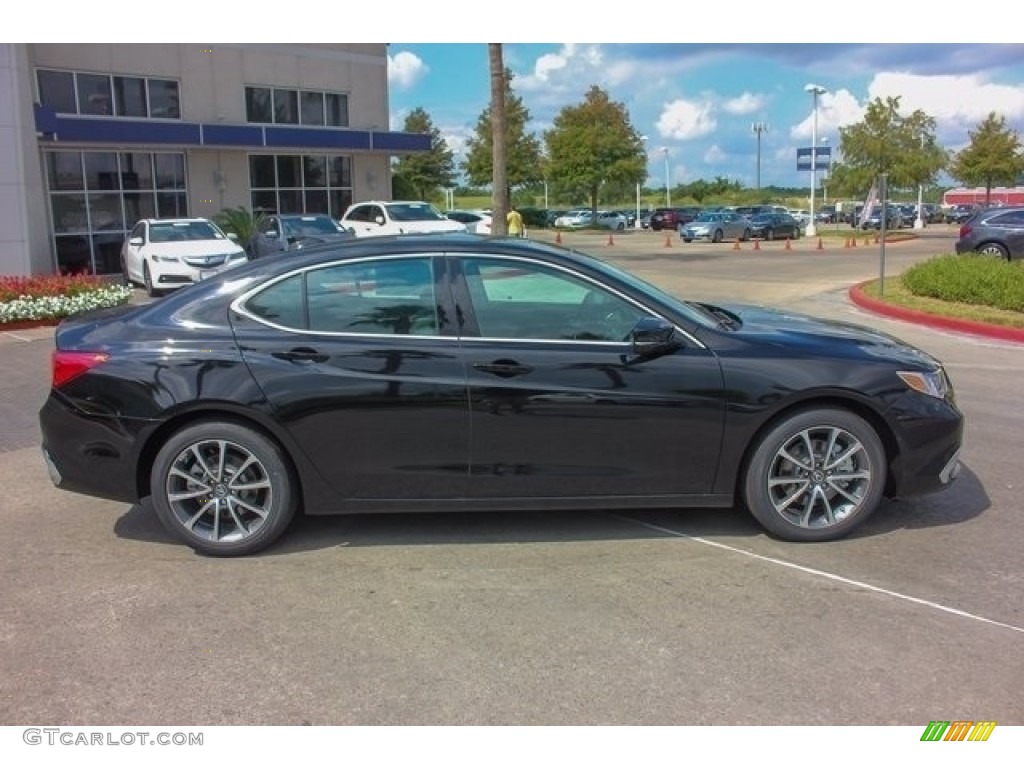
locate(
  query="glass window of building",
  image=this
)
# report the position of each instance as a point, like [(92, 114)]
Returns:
[(312, 107), (286, 106), (94, 95), (57, 91), (130, 97), (301, 183), (258, 105), (163, 99)]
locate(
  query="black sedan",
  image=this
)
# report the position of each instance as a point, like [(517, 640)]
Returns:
[(292, 232), (451, 372), (774, 226)]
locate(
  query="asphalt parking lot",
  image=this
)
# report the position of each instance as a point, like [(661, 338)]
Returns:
[(693, 617)]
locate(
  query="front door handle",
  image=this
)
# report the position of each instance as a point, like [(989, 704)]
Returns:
[(301, 355), (504, 369)]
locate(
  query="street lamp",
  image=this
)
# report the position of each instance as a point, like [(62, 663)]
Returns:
[(759, 128), (636, 224), (919, 221), (668, 194), (815, 91)]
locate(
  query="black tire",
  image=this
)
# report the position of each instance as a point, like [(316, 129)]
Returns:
[(789, 473), (994, 249), (621, 226), (236, 500), (796, 233), (717, 236), (147, 281), (746, 235), (769, 234)]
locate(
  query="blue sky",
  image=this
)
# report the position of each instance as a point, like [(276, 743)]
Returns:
[(699, 100)]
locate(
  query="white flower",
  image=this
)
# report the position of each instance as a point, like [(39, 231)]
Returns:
[(54, 307)]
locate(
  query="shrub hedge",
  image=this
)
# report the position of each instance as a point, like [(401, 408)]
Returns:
[(969, 279)]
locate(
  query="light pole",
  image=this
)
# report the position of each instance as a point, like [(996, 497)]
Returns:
[(759, 128), (643, 142), (919, 221), (815, 91), (668, 194)]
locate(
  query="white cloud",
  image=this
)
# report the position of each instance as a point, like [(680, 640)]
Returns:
[(682, 119), (715, 154), (405, 69), (958, 103), (834, 110), (745, 104)]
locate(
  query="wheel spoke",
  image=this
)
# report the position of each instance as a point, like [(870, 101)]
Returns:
[(192, 521), (234, 516), (845, 493), (794, 460), (246, 505), (855, 447), (188, 495), (791, 499), (250, 486), (222, 454), (202, 462), (190, 479)]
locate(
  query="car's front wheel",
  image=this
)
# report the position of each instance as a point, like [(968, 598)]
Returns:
[(223, 488), (147, 281), (815, 475), (994, 249)]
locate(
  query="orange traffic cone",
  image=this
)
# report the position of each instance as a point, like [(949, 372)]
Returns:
[(846, 243), (867, 241), (820, 246), (668, 241), (736, 245), (789, 247), (558, 237), (853, 242), (611, 240), (757, 244), (876, 239)]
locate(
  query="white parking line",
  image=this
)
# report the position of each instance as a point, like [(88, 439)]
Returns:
[(824, 574)]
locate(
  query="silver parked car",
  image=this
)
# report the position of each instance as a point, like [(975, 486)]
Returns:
[(716, 226)]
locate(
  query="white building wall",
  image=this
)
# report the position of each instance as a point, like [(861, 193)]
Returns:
[(24, 234)]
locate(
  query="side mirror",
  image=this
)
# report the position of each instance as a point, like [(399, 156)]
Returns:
[(653, 336), (270, 234), (231, 235), (136, 241), (379, 220)]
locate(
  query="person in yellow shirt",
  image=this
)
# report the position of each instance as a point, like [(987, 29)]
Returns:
[(515, 223)]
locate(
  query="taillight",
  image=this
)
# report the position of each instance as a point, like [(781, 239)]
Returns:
[(965, 230), (70, 365)]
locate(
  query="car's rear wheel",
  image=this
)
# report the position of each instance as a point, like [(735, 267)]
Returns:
[(746, 235), (717, 236), (994, 249), (815, 475), (769, 234), (223, 488)]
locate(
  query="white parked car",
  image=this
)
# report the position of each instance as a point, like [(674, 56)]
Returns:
[(579, 217), (477, 222), (163, 254), (379, 217)]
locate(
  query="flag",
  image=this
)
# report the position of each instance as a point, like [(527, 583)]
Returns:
[(869, 202)]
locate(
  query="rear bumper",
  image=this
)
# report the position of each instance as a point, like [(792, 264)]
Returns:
[(88, 454)]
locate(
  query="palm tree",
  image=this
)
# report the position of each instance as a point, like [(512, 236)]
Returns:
[(499, 224)]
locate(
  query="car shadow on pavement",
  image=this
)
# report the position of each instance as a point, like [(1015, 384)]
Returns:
[(965, 500)]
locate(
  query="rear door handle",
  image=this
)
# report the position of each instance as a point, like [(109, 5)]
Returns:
[(301, 355), (505, 369)]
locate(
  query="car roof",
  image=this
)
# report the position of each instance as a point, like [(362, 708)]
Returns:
[(180, 220)]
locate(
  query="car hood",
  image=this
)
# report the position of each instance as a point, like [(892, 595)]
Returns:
[(194, 248), (795, 331)]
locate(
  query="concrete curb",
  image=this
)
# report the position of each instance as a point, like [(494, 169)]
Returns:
[(1000, 332)]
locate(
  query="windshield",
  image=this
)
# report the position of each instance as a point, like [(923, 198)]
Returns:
[(310, 225), (414, 212), (172, 231), (707, 217)]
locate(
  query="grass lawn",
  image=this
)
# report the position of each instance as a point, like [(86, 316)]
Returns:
[(897, 295)]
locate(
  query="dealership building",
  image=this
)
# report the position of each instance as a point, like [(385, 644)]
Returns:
[(94, 137)]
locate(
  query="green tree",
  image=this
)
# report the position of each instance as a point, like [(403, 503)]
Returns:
[(594, 143), (425, 172), (523, 162), (903, 147), (993, 156)]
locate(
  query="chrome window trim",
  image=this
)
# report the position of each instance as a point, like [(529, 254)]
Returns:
[(593, 281), (238, 305)]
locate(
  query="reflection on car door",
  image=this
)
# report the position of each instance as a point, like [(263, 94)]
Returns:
[(361, 362), (560, 406)]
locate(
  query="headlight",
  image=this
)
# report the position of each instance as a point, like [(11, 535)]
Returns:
[(165, 258), (932, 383)]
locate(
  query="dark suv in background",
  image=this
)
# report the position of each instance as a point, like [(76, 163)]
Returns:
[(994, 232), (671, 218)]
